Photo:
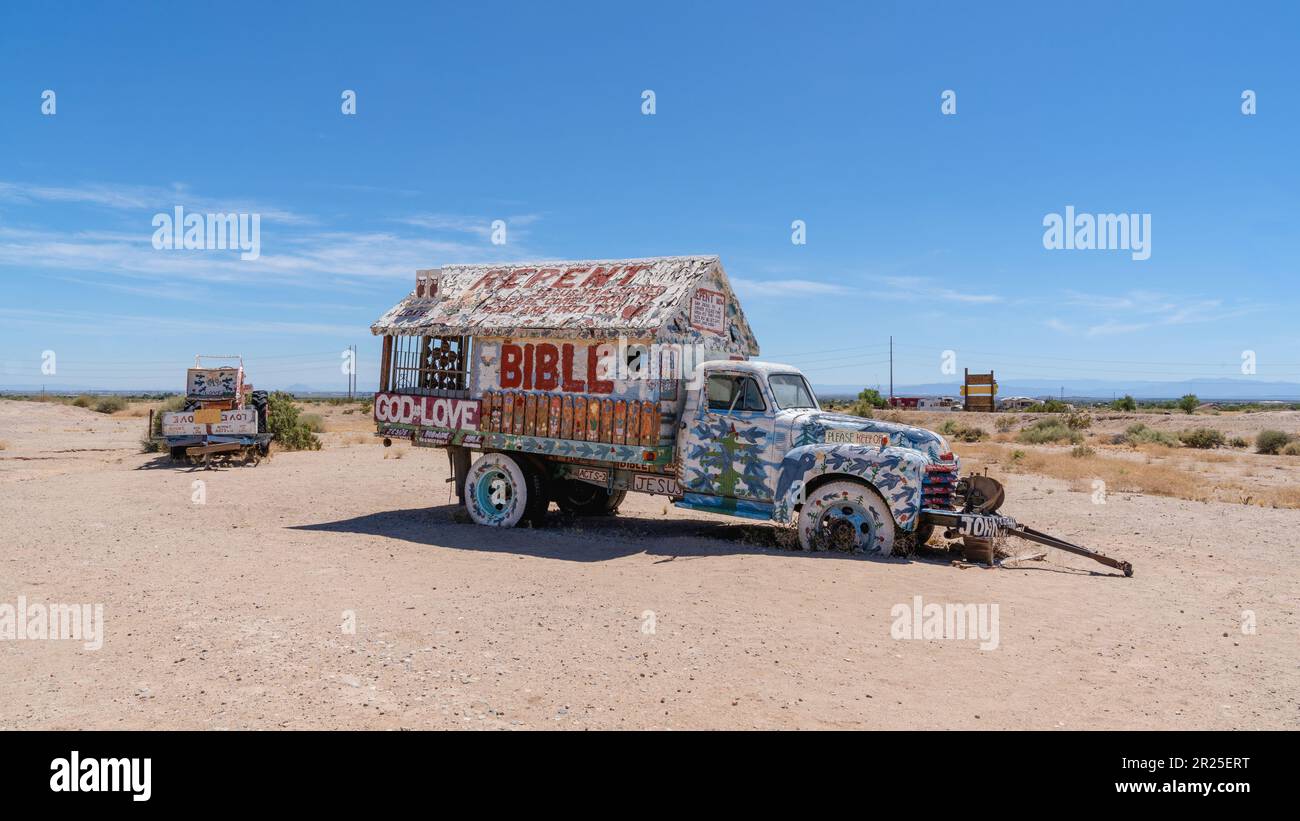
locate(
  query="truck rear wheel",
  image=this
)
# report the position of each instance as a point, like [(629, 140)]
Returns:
[(585, 499), (500, 492), (846, 516)]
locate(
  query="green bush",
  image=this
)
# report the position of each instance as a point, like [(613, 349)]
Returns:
[(1046, 431), (1140, 434), (1082, 452), (109, 404), (1126, 403), (83, 401), (1203, 438), (1188, 403), (862, 409), (962, 432), (291, 433), (1050, 406), (1271, 441), (872, 397)]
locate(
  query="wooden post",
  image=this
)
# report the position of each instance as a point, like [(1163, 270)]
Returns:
[(386, 364)]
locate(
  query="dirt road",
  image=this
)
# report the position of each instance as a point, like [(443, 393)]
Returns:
[(227, 605)]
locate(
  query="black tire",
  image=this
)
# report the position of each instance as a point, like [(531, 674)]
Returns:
[(585, 499), (539, 492), (260, 400), (923, 534)]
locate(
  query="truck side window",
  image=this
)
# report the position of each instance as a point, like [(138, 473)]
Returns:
[(734, 393)]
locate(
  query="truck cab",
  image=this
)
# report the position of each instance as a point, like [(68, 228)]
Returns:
[(754, 442)]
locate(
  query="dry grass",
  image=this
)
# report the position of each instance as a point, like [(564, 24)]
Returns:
[(1147, 470)]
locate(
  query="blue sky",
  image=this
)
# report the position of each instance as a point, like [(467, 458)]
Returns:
[(921, 225)]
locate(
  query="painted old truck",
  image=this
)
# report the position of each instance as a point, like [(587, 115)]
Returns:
[(577, 382), (223, 418)]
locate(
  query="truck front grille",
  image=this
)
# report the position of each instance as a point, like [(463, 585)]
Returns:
[(939, 485)]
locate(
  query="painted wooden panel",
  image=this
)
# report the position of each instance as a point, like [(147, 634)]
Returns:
[(579, 417), (521, 411), (607, 420), (553, 420), (530, 415), (566, 418), (593, 419), (619, 436)]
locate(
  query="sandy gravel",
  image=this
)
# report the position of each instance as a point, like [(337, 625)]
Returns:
[(229, 614)]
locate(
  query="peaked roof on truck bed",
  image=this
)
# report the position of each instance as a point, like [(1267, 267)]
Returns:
[(679, 297)]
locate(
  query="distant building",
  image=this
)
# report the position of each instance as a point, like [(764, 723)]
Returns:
[(1015, 403), (930, 403)]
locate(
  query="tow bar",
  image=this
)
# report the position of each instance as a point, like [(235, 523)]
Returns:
[(977, 523)]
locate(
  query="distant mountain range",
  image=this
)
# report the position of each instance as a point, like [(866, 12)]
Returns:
[(1207, 389)]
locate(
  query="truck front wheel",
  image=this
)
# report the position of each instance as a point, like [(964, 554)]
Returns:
[(846, 516), (584, 499), (499, 492)]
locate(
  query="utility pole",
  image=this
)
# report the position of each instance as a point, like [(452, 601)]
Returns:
[(891, 370), (352, 368)]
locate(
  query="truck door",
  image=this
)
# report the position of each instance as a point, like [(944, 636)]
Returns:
[(726, 440)]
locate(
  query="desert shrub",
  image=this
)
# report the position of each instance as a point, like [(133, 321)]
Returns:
[(1238, 442), (291, 433), (1017, 455), (1271, 441), (1079, 420), (1050, 406), (1046, 431), (872, 397), (109, 404), (1188, 403), (1125, 403), (1291, 449), (152, 443), (1203, 438), (962, 432), (314, 422), (1082, 452), (83, 401), (1140, 434), (1004, 424), (862, 409)]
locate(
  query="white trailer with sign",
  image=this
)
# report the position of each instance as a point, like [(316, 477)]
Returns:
[(223, 419)]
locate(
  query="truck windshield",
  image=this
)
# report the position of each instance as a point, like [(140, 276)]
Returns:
[(791, 391)]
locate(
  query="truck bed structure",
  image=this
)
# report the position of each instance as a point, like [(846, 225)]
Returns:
[(579, 362)]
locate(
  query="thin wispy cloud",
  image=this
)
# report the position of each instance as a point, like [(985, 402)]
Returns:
[(289, 255), (1142, 310), (98, 324), (456, 223), (757, 288), (924, 287), (143, 198)]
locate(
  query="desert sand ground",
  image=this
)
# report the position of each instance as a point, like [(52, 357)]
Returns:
[(230, 613)]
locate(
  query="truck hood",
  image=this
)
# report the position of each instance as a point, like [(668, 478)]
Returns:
[(811, 427)]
